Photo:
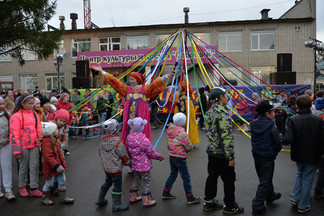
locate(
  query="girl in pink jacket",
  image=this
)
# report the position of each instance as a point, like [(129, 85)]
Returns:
[(25, 132), (141, 152)]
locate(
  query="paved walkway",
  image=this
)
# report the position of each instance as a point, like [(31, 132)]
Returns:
[(85, 176)]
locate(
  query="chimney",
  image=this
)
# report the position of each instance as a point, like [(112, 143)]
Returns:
[(74, 17), (62, 18), (186, 11), (264, 14)]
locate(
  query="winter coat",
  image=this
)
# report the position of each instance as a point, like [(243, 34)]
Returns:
[(113, 155), (141, 152), (25, 129), (4, 130), (305, 133), (242, 107), (101, 105), (219, 132), (265, 138), (75, 99), (179, 143), (52, 157), (9, 104)]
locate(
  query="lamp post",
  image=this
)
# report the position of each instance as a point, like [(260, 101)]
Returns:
[(58, 60), (316, 45)]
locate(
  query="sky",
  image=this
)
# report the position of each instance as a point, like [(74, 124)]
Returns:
[(117, 13)]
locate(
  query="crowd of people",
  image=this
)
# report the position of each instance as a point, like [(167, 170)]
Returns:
[(35, 128)]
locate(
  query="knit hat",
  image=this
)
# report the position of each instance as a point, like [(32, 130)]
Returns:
[(309, 92), (179, 119), (319, 103), (48, 128), (53, 99), (63, 95), (110, 126), (1, 99), (62, 114), (43, 100), (139, 77), (36, 101), (137, 124), (216, 93), (263, 107)]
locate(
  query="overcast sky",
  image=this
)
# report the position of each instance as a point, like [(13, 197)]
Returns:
[(110, 13)]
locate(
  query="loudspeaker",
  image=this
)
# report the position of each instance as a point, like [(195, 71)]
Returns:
[(283, 78), (82, 68), (284, 62), (81, 82)]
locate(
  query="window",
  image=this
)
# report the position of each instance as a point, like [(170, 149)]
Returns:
[(29, 55), (28, 81), (109, 43), (230, 41), (204, 37), (263, 40), (5, 57), (80, 45), (160, 38), (137, 42), (51, 81), (263, 73)]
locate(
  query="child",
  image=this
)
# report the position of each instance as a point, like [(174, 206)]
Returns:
[(47, 113), (85, 117), (113, 156), (220, 152), (53, 164), (265, 148), (25, 131), (5, 154), (141, 152), (179, 145), (61, 118), (305, 133)]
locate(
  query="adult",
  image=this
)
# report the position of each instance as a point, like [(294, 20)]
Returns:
[(136, 94), (203, 107), (9, 101), (88, 94), (154, 110), (182, 107), (36, 92), (75, 99), (110, 102), (53, 93)]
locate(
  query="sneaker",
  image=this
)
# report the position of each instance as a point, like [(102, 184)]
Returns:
[(23, 192), (234, 210), (293, 203), (73, 137), (167, 195), (303, 210), (318, 196), (66, 152), (259, 211), (35, 193), (9, 195), (192, 200), (1, 195), (212, 205), (275, 197)]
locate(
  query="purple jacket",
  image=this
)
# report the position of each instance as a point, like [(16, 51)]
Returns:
[(141, 152)]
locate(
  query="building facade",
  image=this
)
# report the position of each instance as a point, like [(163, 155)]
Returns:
[(254, 44)]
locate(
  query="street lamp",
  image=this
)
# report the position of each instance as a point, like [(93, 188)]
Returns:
[(316, 45)]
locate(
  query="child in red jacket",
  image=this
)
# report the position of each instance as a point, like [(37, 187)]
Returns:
[(53, 164)]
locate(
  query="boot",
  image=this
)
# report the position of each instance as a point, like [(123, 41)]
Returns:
[(158, 121), (117, 205), (101, 199), (63, 198), (154, 125), (45, 199), (147, 202), (133, 198)]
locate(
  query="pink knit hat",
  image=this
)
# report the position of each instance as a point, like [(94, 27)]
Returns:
[(62, 114), (37, 101)]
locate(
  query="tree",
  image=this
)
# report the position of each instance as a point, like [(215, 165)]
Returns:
[(22, 27)]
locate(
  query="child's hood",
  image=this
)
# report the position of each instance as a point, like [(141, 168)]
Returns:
[(260, 126), (174, 130), (135, 139), (106, 144)]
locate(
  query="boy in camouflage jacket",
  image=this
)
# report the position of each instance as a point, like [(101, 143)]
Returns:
[(220, 152), (113, 156)]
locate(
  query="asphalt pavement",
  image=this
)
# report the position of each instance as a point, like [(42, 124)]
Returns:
[(85, 177)]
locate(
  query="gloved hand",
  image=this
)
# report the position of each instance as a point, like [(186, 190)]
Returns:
[(161, 158), (60, 169)]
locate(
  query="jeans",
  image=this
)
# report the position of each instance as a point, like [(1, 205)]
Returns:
[(219, 167), (101, 118), (6, 167), (303, 184), (264, 168), (154, 112), (61, 180), (179, 165), (319, 188), (110, 180)]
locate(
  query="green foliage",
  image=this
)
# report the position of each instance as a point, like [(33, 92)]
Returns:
[(22, 26)]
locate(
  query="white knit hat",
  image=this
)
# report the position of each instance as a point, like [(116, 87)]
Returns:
[(110, 126), (48, 128), (179, 119)]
